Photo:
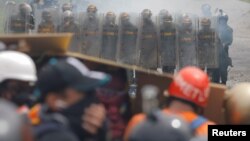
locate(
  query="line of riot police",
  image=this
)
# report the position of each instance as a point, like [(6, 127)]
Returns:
[(169, 41)]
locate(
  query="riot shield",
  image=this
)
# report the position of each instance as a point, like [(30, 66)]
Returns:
[(21, 19), (207, 50), (128, 33), (48, 20), (69, 24), (167, 30), (109, 37), (187, 40), (10, 10), (91, 33), (148, 42), (54, 13)]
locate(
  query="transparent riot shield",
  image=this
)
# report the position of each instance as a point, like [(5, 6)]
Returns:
[(167, 30), (69, 24), (207, 50), (91, 25), (48, 20), (128, 33), (148, 41), (41, 16), (187, 40), (109, 37), (21, 19), (10, 10)]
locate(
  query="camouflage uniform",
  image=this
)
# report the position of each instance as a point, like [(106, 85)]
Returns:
[(148, 42), (127, 52), (168, 43), (110, 37)]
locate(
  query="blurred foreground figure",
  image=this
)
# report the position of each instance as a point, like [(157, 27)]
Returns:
[(237, 104), (10, 122), (187, 97), (158, 126), (24, 21), (17, 73), (47, 25), (68, 94)]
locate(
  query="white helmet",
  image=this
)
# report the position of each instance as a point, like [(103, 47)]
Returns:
[(16, 65)]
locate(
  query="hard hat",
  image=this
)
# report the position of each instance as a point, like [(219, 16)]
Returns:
[(16, 65), (146, 13), (191, 84), (237, 104), (161, 127), (25, 8), (124, 16)]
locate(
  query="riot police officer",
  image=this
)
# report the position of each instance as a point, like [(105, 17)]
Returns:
[(127, 50), (187, 49), (24, 21), (148, 42), (91, 32), (167, 42), (110, 37), (207, 47), (68, 24), (47, 25)]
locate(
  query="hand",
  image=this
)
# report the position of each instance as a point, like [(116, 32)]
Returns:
[(93, 118)]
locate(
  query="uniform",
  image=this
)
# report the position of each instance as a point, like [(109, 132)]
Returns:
[(127, 52)]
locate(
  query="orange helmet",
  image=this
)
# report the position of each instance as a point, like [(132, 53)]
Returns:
[(191, 84)]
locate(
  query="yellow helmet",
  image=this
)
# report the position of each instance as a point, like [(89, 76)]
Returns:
[(237, 105)]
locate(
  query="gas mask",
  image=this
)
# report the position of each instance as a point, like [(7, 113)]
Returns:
[(91, 15)]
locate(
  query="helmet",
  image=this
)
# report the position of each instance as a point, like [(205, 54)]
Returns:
[(10, 122), (92, 8), (146, 13), (237, 104), (25, 8), (67, 6), (186, 20), (166, 16), (46, 15), (161, 127), (125, 16), (110, 16), (16, 65), (191, 84), (205, 22)]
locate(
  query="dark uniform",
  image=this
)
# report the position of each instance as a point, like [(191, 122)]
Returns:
[(110, 37), (187, 49), (23, 21), (127, 52), (167, 43), (46, 26), (148, 42), (207, 50), (91, 33), (70, 26)]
